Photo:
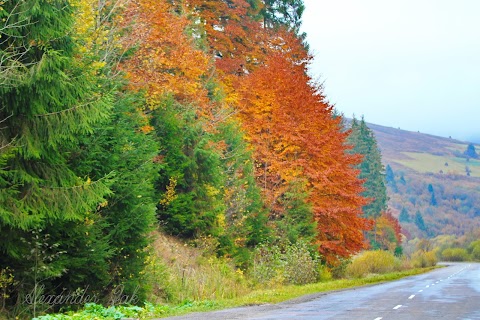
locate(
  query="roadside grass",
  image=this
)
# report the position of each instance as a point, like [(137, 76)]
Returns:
[(289, 292), (255, 297), (183, 279), (281, 294)]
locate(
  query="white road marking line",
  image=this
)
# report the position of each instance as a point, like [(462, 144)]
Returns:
[(420, 290), (427, 287), (379, 318), (411, 297), (433, 284), (397, 307)]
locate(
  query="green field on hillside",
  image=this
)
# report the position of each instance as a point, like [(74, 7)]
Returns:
[(424, 163)]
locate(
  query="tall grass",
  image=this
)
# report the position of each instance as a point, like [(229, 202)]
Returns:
[(209, 279), (256, 297), (185, 279), (178, 272)]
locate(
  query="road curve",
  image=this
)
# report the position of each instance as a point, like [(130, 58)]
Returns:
[(448, 293)]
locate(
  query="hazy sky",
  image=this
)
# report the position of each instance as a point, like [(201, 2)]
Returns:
[(413, 64)]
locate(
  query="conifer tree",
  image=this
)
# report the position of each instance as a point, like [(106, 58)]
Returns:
[(372, 171), (430, 188), (419, 222), (371, 168), (390, 178), (404, 216), (297, 223), (128, 215), (246, 217), (42, 118), (191, 177), (433, 199), (471, 152)]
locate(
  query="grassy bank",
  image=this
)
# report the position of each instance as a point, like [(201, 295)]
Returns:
[(185, 278), (284, 293), (255, 297)]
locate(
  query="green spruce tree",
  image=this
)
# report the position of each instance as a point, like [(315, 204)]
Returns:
[(372, 171), (390, 178), (297, 224), (191, 176), (419, 222), (471, 152), (128, 215), (404, 216), (246, 218), (433, 199), (49, 103), (371, 168), (42, 118)]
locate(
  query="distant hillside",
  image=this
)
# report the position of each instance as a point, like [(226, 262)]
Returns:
[(433, 179)]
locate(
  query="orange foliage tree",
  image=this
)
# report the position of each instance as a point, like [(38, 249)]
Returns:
[(288, 122), (233, 35), (295, 135), (166, 60), (388, 232)]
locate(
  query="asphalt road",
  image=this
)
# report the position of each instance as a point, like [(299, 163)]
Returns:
[(448, 293)]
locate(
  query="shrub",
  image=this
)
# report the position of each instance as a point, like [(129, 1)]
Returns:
[(476, 253), (403, 263), (455, 254), (370, 262), (474, 249), (339, 270), (423, 259), (324, 273), (292, 265), (96, 311), (266, 263), (299, 266)]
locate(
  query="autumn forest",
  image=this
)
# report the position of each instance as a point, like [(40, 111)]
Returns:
[(197, 120)]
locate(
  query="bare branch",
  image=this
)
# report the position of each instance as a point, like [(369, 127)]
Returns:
[(8, 144), (13, 49)]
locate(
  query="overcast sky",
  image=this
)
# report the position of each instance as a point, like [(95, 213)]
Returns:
[(413, 64)]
